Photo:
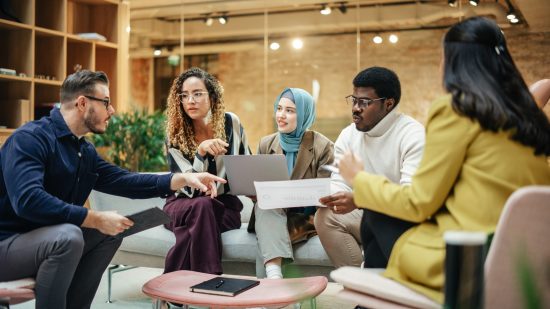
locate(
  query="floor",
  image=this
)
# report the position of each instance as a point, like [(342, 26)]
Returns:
[(127, 293)]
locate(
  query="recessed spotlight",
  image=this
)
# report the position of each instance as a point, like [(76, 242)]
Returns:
[(393, 38), (128, 29), (209, 21), (474, 2), (157, 52), (514, 20), (223, 19), (326, 10), (274, 46), (297, 43), (452, 3), (377, 39)]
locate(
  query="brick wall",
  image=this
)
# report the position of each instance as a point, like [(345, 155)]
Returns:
[(331, 60)]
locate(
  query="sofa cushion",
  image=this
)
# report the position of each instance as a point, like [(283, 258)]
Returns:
[(238, 245)]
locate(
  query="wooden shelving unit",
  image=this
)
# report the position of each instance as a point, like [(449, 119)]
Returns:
[(41, 43)]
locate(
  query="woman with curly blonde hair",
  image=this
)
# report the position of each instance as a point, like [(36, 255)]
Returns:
[(199, 132)]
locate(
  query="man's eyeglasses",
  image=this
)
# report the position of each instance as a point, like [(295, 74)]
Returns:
[(197, 96), (361, 102), (106, 102)]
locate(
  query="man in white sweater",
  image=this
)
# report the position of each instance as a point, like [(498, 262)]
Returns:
[(390, 144)]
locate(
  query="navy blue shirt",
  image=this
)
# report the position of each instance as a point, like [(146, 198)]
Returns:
[(47, 173)]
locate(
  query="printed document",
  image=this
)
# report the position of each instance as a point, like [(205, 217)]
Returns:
[(291, 193)]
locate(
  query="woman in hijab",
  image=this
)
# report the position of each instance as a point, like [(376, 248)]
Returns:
[(305, 151)]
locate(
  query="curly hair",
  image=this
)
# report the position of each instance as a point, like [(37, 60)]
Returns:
[(179, 126)]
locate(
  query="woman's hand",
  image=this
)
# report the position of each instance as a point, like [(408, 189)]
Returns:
[(349, 165), (215, 147), (203, 181)]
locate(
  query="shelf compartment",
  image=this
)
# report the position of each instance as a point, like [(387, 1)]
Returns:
[(106, 61), (45, 96), (17, 49), (15, 103), (50, 14), (21, 10), (79, 53), (49, 57), (93, 17)]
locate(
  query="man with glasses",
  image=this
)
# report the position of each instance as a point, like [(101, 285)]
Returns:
[(47, 170), (390, 144)]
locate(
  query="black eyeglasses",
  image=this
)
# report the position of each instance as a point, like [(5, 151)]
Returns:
[(361, 102), (106, 102)]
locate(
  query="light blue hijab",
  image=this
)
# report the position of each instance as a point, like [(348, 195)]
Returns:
[(305, 112)]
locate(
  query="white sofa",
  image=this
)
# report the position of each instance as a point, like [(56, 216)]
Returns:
[(149, 248)]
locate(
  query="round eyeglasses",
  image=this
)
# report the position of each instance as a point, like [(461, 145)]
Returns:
[(197, 97), (361, 102)]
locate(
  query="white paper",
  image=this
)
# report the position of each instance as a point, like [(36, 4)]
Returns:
[(291, 193)]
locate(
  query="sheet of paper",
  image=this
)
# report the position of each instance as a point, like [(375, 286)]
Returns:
[(291, 193)]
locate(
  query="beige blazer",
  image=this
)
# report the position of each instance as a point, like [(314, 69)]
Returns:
[(315, 151)]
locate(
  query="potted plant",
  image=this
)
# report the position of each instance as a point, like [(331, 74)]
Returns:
[(134, 141)]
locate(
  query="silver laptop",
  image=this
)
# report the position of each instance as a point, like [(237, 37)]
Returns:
[(243, 170)]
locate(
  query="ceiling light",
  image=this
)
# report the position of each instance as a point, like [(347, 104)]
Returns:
[(377, 39), (393, 38), (223, 19), (452, 3), (343, 8), (511, 15), (209, 21), (128, 29), (274, 46), (157, 52), (297, 43), (514, 20), (474, 2), (326, 10)]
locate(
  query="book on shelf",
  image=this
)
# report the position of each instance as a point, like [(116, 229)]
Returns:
[(224, 286), (14, 112)]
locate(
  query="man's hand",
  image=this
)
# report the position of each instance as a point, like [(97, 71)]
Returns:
[(339, 202), (349, 166), (214, 147), (107, 222), (203, 181)]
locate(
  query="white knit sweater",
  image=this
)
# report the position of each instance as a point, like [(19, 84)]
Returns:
[(392, 148)]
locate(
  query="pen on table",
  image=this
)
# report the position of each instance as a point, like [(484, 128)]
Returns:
[(220, 284), (330, 168)]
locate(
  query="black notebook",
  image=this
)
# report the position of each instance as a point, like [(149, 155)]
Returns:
[(145, 219), (224, 286)]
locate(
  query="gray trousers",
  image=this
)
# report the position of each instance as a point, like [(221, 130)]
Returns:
[(66, 261), (273, 237)]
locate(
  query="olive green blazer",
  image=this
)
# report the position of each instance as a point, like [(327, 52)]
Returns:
[(464, 179)]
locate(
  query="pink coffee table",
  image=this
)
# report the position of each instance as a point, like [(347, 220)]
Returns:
[(174, 287)]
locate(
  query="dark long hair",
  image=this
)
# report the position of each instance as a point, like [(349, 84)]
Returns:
[(486, 85)]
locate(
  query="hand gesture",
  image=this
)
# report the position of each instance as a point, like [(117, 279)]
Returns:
[(107, 222), (215, 147), (339, 202), (349, 166), (203, 181)]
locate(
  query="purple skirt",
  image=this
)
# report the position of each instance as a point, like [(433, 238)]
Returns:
[(198, 223)]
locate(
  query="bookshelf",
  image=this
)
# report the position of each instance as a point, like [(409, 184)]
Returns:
[(41, 43)]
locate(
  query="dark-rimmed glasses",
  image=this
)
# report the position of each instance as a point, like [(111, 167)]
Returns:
[(105, 102), (198, 96), (361, 102)]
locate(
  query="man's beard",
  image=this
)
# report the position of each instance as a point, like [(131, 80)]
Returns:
[(91, 122)]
